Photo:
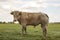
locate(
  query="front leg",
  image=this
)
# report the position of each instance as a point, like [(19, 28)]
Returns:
[(24, 29)]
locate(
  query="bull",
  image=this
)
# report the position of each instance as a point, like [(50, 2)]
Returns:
[(30, 18)]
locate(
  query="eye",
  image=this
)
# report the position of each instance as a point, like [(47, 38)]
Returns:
[(19, 13)]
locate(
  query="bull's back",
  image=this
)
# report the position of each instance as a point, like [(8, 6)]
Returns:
[(33, 18)]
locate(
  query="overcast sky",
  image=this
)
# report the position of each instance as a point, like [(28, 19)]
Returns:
[(50, 7)]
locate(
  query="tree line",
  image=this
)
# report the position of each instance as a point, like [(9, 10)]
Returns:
[(6, 22), (13, 23)]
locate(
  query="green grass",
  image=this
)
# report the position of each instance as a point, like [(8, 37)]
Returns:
[(13, 32)]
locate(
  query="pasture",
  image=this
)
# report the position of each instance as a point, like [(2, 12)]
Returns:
[(13, 32)]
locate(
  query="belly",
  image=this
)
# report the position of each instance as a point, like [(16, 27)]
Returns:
[(33, 22)]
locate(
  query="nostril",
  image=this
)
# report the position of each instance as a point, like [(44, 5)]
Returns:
[(14, 20)]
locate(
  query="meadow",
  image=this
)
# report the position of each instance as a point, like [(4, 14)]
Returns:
[(13, 32)]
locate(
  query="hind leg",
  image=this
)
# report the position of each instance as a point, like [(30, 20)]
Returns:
[(44, 30)]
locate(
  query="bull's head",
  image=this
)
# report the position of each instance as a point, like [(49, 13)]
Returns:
[(16, 15)]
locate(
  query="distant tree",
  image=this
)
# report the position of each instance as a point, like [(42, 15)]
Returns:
[(57, 22), (10, 22), (4, 22), (0, 22)]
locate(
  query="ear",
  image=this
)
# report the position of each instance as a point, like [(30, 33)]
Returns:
[(20, 13), (11, 13)]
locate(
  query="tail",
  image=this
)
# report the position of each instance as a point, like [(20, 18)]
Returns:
[(47, 15)]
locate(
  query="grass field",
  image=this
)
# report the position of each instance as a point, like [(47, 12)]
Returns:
[(13, 32)]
